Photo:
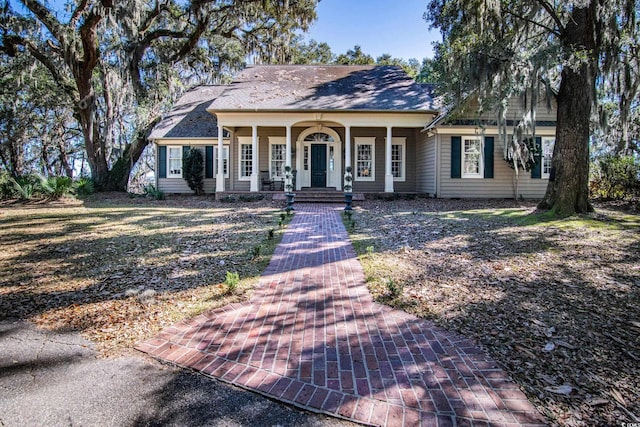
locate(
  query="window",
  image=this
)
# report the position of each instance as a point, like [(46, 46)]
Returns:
[(174, 162), (472, 158), (365, 159), (319, 137), (277, 157), (305, 158), (398, 158), (547, 154), (246, 158), (225, 161)]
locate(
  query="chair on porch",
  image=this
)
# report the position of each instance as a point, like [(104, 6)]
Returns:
[(266, 183)]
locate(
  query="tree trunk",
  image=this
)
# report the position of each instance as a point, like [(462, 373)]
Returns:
[(121, 170), (568, 192)]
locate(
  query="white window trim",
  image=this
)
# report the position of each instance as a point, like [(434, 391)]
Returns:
[(276, 140), (243, 140), (544, 175), (169, 174), (366, 140), (480, 173), (397, 140), (215, 159)]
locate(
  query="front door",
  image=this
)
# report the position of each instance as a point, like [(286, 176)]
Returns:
[(319, 165)]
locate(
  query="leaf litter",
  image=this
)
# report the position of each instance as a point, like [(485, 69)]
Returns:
[(555, 302), (120, 269)]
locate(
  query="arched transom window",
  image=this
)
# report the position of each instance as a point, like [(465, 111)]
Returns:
[(319, 137)]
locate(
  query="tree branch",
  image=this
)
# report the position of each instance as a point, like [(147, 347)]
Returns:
[(536, 23), (45, 16), (76, 13), (552, 14)]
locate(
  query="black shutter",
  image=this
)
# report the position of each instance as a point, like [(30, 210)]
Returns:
[(488, 157), (536, 172), (185, 151), (162, 161), (456, 157), (208, 162)]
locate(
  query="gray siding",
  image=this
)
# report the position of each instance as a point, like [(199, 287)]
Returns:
[(501, 186), (432, 161), (377, 186), (179, 185), (426, 164)]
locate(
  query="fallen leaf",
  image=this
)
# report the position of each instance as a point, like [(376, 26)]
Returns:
[(561, 389)]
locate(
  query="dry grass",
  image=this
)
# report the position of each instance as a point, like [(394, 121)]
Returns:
[(556, 302), (121, 269)]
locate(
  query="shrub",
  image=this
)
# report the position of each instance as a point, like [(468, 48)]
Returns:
[(55, 187), (615, 177), (6, 186), (193, 170), (152, 192), (25, 187), (84, 187)]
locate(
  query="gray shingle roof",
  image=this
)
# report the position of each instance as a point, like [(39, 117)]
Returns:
[(324, 88), (189, 117), (296, 87)]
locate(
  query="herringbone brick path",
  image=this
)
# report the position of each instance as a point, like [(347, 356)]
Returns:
[(312, 336)]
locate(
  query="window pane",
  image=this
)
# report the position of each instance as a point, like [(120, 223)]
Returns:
[(175, 161), (396, 160), (547, 154), (225, 161), (471, 160), (278, 154), (364, 162), (246, 159)]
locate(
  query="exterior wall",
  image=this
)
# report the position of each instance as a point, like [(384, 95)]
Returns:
[(502, 185), (179, 185), (515, 110), (409, 185), (426, 164), (380, 134)]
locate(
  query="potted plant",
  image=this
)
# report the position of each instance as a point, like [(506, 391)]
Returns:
[(288, 187), (348, 195)]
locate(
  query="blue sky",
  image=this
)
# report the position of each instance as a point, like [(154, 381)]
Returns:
[(378, 26)]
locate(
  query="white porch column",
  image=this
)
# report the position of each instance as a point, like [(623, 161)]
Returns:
[(287, 159), (347, 146), (388, 176), (220, 174), (254, 160)]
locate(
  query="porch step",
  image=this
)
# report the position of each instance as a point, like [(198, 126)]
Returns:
[(316, 196)]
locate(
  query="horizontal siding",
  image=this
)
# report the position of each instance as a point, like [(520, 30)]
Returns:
[(422, 163), (430, 167), (515, 110), (180, 186), (501, 186)]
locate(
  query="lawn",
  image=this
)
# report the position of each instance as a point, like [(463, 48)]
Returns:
[(120, 269), (555, 302)]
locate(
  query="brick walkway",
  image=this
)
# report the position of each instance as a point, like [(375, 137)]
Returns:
[(312, 336)]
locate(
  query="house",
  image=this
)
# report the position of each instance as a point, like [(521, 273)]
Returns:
[(320, 119)]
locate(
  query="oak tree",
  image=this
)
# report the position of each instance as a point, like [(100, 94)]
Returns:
[(496, 49)]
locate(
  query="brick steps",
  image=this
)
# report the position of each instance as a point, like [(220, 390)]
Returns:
[(314, 196)]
